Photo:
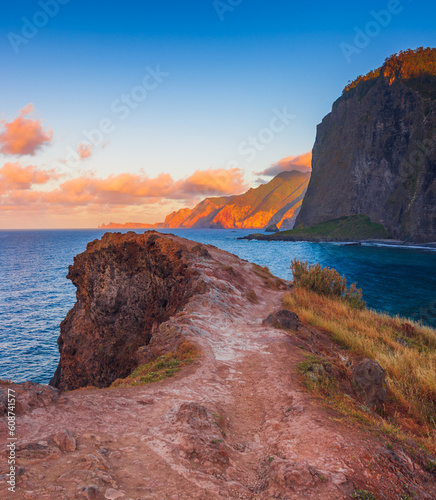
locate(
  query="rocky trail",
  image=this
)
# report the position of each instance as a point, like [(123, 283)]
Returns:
[(237, 423)]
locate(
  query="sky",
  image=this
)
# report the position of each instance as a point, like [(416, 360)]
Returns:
[(126, 111)]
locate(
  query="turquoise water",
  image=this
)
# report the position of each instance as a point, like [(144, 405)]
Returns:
[(35, 295)]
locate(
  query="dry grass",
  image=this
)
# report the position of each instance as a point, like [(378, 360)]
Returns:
[(165, 366), (410, 371)]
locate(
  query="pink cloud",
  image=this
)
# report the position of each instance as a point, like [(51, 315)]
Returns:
[(122, 190), (23, 136), (84, 150), (302, 163), (213, 182), (14, 177)]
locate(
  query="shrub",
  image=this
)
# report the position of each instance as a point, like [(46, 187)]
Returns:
[(327, 282)]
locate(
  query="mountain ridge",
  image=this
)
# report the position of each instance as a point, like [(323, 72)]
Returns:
[(276, 202)]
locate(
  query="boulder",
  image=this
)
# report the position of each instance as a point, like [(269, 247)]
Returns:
[(90, 492), (112, 494), (282, 319), (65, 441), (272, 229), (369, 379)]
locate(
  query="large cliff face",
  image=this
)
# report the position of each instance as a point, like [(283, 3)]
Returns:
[(375, 153), (127, 285)]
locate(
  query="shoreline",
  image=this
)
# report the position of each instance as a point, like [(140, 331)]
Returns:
[(350, 242)]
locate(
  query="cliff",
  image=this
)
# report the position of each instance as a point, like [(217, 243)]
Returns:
[(275, 203), (375, 153), (127, 286)]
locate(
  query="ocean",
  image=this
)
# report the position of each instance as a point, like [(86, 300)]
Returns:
[(35, 295)]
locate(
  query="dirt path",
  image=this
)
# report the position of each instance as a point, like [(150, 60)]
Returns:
[(236, 424)]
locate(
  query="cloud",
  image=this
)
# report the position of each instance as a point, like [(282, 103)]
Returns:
[(84, 150), (218, 182), (23, 136), (302, 163), (122, 190), (14, 177)]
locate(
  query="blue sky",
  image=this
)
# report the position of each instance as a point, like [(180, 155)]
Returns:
[(230, 67)]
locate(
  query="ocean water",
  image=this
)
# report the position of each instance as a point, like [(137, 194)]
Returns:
[(35, 295)]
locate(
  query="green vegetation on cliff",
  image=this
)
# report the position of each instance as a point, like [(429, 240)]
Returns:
[(353, 228), (416, 68)]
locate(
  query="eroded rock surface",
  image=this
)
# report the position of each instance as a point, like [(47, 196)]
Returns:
[(235, 424), (28, 395)]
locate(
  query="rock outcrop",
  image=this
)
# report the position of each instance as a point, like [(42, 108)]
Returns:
[(127, 286), (370, 381), (375, 153), (283, 319)]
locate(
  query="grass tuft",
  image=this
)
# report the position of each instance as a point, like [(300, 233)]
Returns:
[(363, 495), (165, 366)]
